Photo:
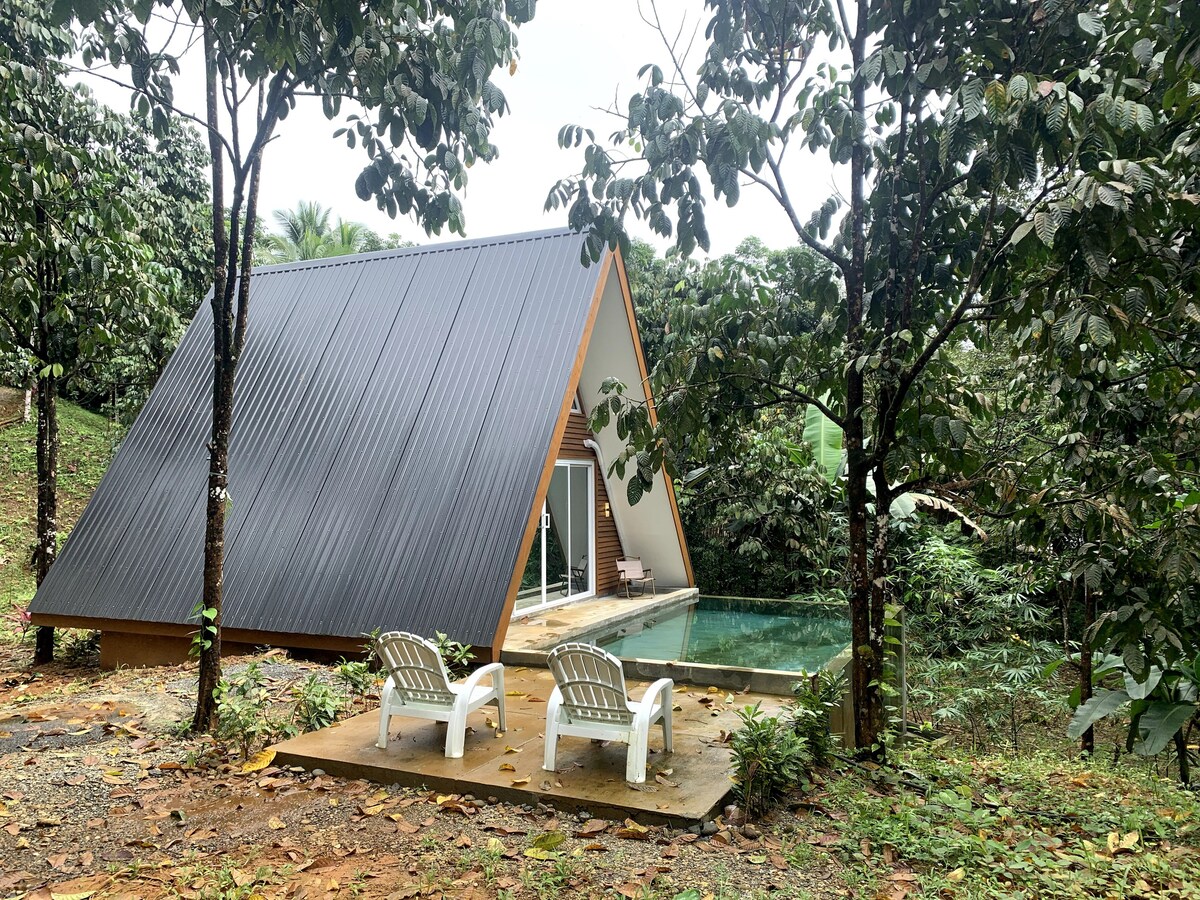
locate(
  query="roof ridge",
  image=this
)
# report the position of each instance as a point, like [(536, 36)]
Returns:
[(442, 247)]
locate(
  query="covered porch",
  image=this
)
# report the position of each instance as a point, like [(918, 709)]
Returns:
[(690, 785)]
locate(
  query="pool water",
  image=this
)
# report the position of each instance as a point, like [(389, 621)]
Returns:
[(721, 631)]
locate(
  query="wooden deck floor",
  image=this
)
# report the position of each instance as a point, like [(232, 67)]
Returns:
[(692, 783)]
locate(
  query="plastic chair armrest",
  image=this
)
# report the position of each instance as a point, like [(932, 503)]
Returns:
[(481, 673)]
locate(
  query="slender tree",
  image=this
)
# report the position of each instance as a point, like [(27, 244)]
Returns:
[(420, 74), (78, 275)]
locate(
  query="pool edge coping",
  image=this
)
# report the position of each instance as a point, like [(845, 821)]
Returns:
[(777, 682)]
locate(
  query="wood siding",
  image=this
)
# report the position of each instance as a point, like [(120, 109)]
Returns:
[(608, 542)]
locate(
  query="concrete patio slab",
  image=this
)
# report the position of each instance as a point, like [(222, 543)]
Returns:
[(589, 776), (543, 630)]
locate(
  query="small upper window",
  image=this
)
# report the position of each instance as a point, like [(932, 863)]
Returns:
[(577, 404)]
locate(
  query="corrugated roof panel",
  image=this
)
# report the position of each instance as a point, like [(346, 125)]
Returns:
[(282, 345), (289, 493), (495, 487), (393, 416), (155, 576), (327, 559), (401, 552), (167, 433)]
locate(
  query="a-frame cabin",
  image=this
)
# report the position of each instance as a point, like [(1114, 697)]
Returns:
[(410, 451)]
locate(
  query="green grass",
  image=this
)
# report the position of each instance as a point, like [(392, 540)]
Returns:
[(87, 442), (1036, 826)]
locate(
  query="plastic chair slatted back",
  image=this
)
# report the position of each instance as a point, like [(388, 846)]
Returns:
[(592, 684), (416, 667)]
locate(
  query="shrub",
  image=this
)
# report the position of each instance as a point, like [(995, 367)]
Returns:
[(317, 704), (80, 648), (356, 679), (456, 656), (242, 709), (815, 697), (769, 758)]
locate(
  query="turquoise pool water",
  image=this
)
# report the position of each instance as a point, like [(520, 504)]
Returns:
[(721, 631)]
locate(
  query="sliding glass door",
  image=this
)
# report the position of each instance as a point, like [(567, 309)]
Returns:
[(560, 566)]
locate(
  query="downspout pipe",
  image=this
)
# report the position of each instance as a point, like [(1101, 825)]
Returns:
[(595, 448)]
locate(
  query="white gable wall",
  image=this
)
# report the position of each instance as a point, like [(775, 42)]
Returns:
[(647, 530)]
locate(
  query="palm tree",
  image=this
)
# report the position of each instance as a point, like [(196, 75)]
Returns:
[(307, 234)]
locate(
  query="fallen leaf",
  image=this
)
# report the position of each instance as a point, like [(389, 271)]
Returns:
[(275, 823), (507, 767), (517, 782), (550, 840), (258, 761), (633, 831), (591, 828)]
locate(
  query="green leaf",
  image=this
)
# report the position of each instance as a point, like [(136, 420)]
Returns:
[(548, 841), (1143, 689), (1090, 22), (903, 507), (1046, 223), (1020, 233), (634, 490), (1099, 331), (1105, 703), (1159, 724), (826, 439)]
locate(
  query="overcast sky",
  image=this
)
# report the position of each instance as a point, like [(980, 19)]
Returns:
[(576, 57)]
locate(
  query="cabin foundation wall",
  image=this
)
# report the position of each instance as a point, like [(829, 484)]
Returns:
[(126, 650)]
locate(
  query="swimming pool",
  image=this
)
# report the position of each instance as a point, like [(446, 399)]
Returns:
[(778, 635)]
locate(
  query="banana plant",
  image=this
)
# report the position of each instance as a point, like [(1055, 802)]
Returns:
[(825, 437)]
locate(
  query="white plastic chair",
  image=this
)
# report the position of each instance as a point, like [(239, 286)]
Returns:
[(418, 685), (590, 700)]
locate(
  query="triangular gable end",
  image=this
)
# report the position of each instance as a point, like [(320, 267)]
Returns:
[(610, 347)]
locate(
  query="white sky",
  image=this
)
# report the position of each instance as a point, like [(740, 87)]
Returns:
[(576, 56)]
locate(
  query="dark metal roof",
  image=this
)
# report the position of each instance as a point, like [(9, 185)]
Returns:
[(393, 415)]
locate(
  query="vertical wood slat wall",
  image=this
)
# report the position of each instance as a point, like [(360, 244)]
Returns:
[(608, 542)]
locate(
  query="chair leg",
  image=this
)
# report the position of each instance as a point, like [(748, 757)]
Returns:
[(635, 757), (499, 707), (668, 737), (550, 757), (385, 703), (456, 730), (383, 728)]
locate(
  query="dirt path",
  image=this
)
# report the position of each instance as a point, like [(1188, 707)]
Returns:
[(97, 799)]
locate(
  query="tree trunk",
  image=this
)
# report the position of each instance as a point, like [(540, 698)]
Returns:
[(209, 637), (1181, 754), (27, 408), (47, 499), (881, 598), (214, 534), (1087, 742), (868, 715)]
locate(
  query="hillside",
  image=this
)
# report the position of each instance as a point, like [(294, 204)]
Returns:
[(87, 444)]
